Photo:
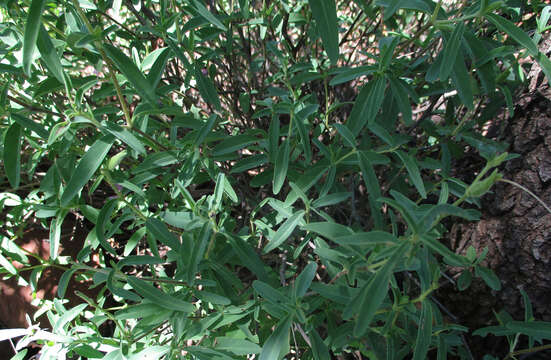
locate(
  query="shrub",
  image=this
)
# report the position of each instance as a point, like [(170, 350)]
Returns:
[(256, 177)]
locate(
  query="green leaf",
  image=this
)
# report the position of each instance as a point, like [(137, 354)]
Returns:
[(233, 143), (49, 54), (449, 256), (55, 233), (325, 14), (319, 348), (401, 96), (64, 281), (464, 280), (367, 105), (537, 329), (451, 51), (278, 342), (159, 297), (281, 165), (198, 252), (237, 346), (374, 292), (248, 256), (488, 276), (204, 12), (12, 154), (269, 293), (367, 239), (67, 317), (329, 230), (7, 265), (515, 32), (331, 199), (86, 168), (156, 72), (158, 229), (424, 332), (31, 125), (462, 81), (413, 171), (207, 89), (205, 129), (303, 281), (125, 136), (284, 231), (346, 134), (32, 26), (127, 67)]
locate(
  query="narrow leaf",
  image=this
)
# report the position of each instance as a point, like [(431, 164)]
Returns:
[(514, 31), (325, 14), (159, 297), (372, 295), (204, 12), (32, 26), (424, 332), (127, 67), (278, 342), (413, 171), (451, 50), (303, 281), (367, 105), (281, 166), (86, 168), (158, 229), (207, 89), (284, 231)]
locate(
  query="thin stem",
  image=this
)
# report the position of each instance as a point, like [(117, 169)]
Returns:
[(528, 191), (112, 75)]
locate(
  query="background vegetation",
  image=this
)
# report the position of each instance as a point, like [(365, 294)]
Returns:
[(256, 177)]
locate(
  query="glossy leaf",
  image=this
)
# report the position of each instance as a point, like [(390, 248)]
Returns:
[(367, 105)]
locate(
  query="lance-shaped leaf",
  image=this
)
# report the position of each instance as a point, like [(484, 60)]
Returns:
[(281, 166), (159, 297), (374, 292), (413, 171), (367, 105), (127, 67), (49, 54), (204, 12), (32, 27), (424, 332), (86, 168), (207, 89), (325, 13), (451, 50), (278, 343), (284, 231)]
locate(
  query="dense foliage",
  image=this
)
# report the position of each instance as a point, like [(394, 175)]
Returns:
[(256, 177)]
